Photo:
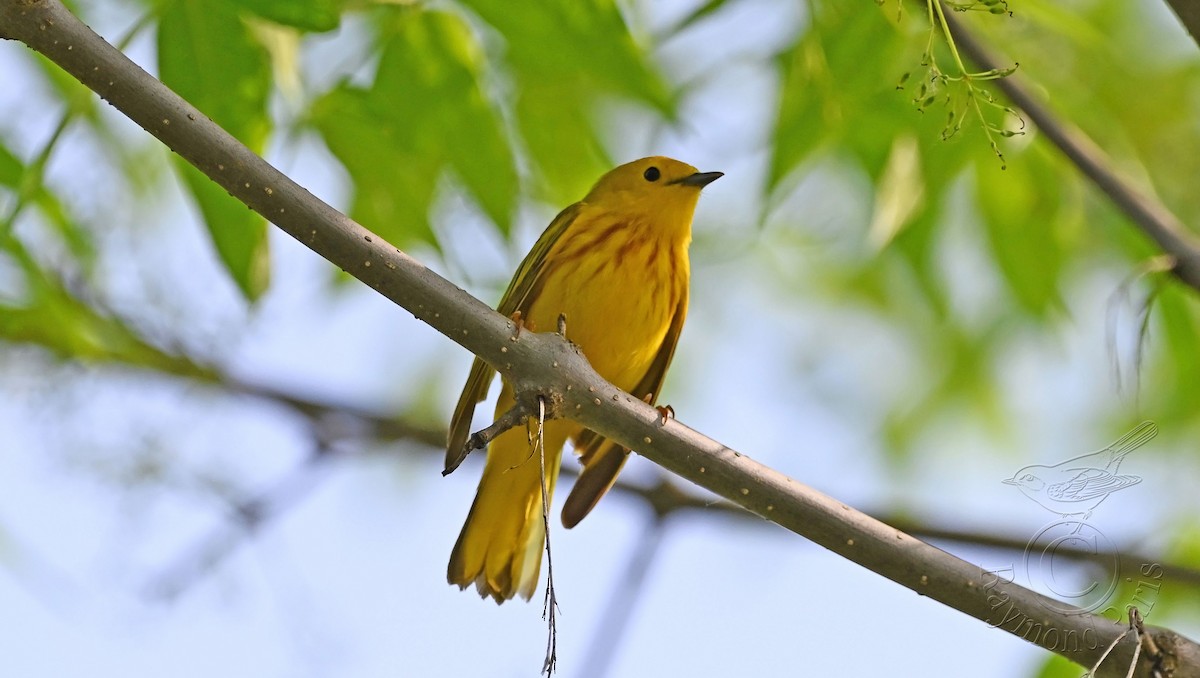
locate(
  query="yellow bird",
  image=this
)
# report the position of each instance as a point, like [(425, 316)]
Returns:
[(615, 264)]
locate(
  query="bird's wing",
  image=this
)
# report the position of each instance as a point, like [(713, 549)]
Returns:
[(530, 275), (460, 425), (602, 459), (1090, 484), (521, 290)]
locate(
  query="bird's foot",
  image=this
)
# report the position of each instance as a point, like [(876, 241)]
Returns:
[(665, 412)]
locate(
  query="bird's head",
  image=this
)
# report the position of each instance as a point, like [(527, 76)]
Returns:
[(658, 189), (1026, 479)]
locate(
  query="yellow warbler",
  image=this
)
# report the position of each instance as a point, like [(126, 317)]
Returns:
[(615, 264)]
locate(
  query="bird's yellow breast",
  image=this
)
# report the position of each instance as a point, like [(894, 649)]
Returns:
[(618, 307)]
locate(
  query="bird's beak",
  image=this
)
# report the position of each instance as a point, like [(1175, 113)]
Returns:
[(1009, 481), (699, 179)]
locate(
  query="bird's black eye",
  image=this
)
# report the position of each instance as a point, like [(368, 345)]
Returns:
[(652, 174)]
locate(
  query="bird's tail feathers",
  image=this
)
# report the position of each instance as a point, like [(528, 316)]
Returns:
[(1129, 442), (500, 547), (600, 470)]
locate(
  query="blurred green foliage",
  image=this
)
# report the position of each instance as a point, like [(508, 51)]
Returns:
[(500, 101), (425, 114)]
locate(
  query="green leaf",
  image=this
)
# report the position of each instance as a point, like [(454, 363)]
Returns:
[(800, 125), (11, 168), (959, 380), (1020, 208), (307, 15), (915, 246), (565, 56), (238, 234), (556, 126), (705, 10), (835, 94), (900, 191), (834, 91), (425, 113), (208, 56), (585, 43), (393, 184), (430, 70), (1178, 363), (76, 237)]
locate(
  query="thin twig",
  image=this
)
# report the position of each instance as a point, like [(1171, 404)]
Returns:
[(337, 420), (1122, 295), (1139, 632), (513, 417), (550, 604), (1104, 655), (1137, 654)]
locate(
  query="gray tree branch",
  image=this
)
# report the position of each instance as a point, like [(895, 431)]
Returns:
[(548, 365)]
